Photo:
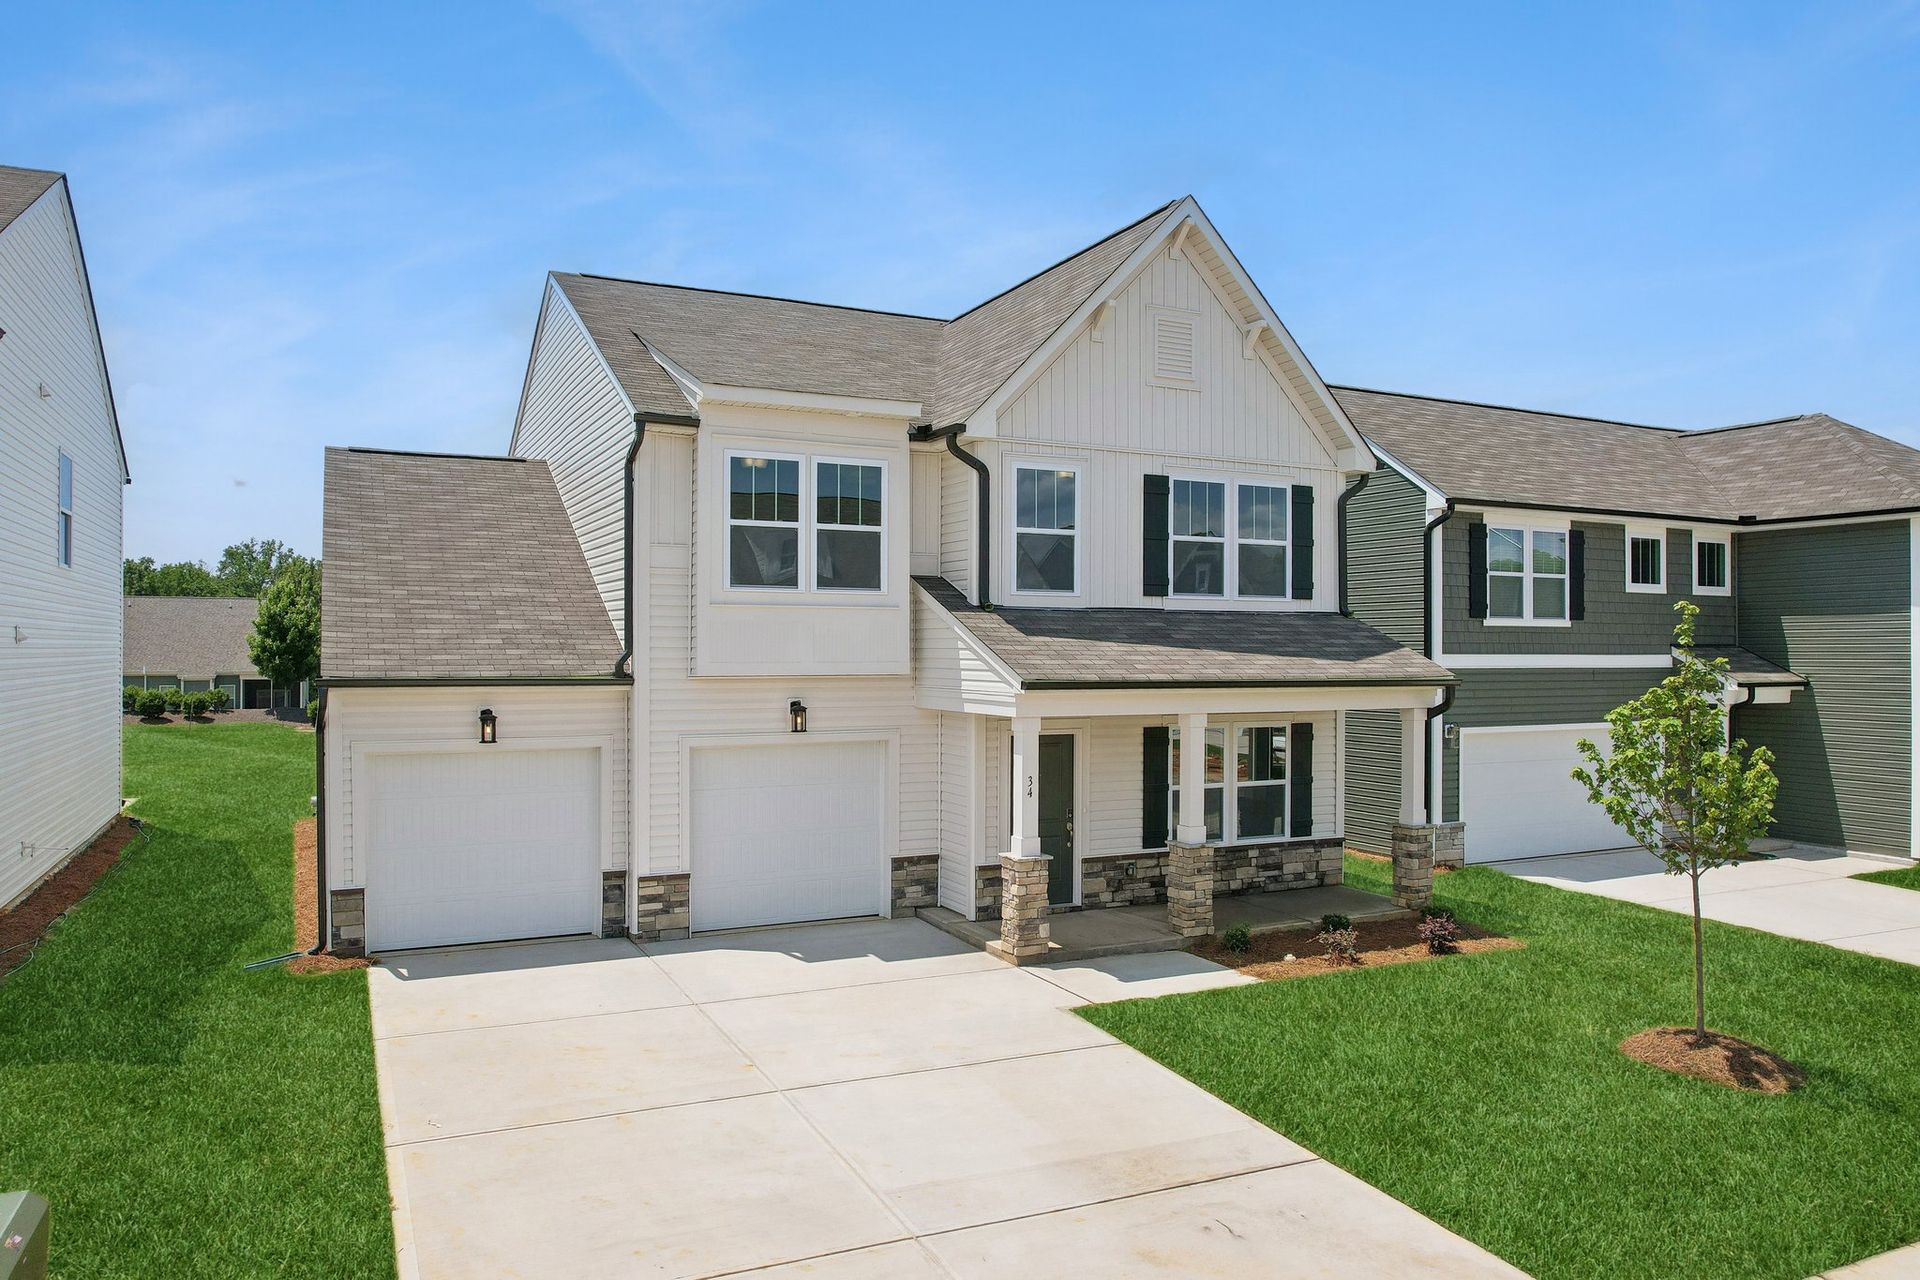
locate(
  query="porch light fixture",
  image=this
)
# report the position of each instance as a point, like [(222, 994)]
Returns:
[(1451, 734), (489, 726), (797, 716)]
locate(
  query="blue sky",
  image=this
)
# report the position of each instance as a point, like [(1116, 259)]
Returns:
[(328, 224)]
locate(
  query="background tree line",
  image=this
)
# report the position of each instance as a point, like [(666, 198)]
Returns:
[(245, 569), (285, 642)]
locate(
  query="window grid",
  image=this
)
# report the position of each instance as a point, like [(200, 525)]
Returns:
[(1712, 566), (1197, 533), (1046, 534), (1526, 574), (1251, 801), (763, 522), (1220, 550), (849, 523), (1646, 561)]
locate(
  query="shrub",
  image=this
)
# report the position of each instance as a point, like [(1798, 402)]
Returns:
[(195, 703), (1342, 946), (1333, 922), (1440, 931), (130, 698), (170, 698), (151, 702), (1238, 939), (313, 710), (219, 698)]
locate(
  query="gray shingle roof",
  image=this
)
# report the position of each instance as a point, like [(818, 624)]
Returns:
[(948, 367), (19, 188), (1749, 668), (1793, 468), (191, 637), (443, 567), (1180, 648)]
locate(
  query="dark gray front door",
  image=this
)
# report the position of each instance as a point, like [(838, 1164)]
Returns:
[(1056, 813)]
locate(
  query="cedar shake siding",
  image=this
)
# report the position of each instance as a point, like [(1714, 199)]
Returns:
[(1832, 604), (1616, 621)]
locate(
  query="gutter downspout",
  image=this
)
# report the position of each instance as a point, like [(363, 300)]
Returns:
[(620, 667), (983, 564), (1431, 637), (323, 931), (1346, 495)]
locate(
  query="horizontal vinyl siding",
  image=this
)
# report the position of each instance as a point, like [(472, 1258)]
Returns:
[(1373, 779), (1488, 699), (358, 717), (957, 824), (1832, 604), (957, 485), (1385, 578), (60, 676), (1617, 621)]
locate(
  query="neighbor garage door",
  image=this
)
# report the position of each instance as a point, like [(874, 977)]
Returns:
[(787, 833), (480, 846), (1518, 799)]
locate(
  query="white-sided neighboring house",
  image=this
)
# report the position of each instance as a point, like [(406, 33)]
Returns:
[(197, 643), (780, 611), (62, 467)]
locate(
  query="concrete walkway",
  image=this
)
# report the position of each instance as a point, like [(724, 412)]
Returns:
[(1798, 893), (860, 1100)]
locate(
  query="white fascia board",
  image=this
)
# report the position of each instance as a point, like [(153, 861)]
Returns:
[(1436, 500), (1534, 517), (803, 401), (689, 385), (1249, 700), (1556, 661)]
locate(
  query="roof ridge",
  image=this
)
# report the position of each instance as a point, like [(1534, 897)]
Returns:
[(428, 453), (1084, 249), (1510, 408), (763, 297), (1763, 422)]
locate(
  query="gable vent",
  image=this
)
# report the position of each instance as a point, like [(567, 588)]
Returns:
[(1173, 348)]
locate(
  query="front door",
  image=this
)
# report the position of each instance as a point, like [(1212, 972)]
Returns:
[(1056, 814)]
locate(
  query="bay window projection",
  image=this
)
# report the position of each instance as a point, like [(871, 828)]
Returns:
[(849, 514), (1046, 552), (763, 522)]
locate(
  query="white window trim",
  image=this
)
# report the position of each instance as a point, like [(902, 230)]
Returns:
[(1013, 520), (1231, 555), (1229, 783), (1658, 534), (1527, 574), (803, 559), (810, 515), (1725, 541), (63, 522)]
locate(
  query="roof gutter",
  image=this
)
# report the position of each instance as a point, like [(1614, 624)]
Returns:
[(463, 682), (1347, 495), (984, 552)]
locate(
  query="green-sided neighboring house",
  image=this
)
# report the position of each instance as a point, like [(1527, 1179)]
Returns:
[(1539, 556), (195, 643)]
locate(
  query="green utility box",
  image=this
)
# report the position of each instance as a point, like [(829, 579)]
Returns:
[(23, 1236)]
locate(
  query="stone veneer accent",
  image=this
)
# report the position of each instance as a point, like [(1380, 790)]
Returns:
[(1450, 844), (347, 922), (1190, 879), (986, 892), (613, 903), (661, 910), (1123, 880), (1413, 859), (1296, 864), (1024, 931), (916, 883)]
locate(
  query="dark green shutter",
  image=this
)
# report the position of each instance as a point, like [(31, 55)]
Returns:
[(1153, 786), (1153, 535), (1302, 526), (1576, 575), (1476, 570), (1300, 776)]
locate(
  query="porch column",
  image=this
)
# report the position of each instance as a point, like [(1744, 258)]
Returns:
[(1190, 861), (1413, 766), (1024, 931)]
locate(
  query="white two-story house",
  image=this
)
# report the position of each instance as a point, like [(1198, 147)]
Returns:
[(778, 611)]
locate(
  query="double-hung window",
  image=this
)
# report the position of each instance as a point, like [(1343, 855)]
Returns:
[(1243, 803), (63, 524), (1245, 558), (1526, 574), (1646, 560), (1046, 529), (1712, 566), (769, 546)]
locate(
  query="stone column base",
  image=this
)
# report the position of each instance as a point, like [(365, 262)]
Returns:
[(613, 904), (662, 910), (986, 891), (1415, 850), (347, 922), (1190, 871), (916, 883), (1024, 931)]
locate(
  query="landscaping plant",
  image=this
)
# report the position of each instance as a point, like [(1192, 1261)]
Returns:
[(130, 698), (151, 703), (170, 698), (285, 641), (1675, 782), (1439, 930), (219, 698), (1238, 939), (1339, 939)]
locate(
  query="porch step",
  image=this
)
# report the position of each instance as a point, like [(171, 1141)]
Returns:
[(1075, 935)]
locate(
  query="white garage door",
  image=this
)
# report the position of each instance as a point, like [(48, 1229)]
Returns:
[(480, 846), (788, 833), (1518, 799)]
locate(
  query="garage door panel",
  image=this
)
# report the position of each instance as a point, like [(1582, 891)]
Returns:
[(788, 833), (1518, 797), (482, 846)]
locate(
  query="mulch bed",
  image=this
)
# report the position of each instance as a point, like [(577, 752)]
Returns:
[(1292, 953), (295, 718), (306, 929), (1722, 1060), (22, 928)]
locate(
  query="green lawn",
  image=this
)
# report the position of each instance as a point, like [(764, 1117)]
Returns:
[(1487, 1092), (1902, 877), (186, 1118)]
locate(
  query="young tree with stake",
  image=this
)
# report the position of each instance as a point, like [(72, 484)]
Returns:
[(1675, 782)]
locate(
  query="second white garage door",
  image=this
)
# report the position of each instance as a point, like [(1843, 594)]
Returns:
[(1519, 800), (480, 846), (787, 833)]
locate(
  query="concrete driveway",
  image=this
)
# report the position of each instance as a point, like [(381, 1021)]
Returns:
[(1798, 893), (870, 1099)]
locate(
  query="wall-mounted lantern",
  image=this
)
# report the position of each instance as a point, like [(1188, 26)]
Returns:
[(797, 716), (489, 726), (1451, 734)]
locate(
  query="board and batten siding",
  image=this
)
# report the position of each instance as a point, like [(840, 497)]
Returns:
[(574, 418), (1618, 621), (60, 677), (1833, 605), (426, 716)]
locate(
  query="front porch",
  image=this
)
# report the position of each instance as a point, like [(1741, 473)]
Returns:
[(1112, 931)]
